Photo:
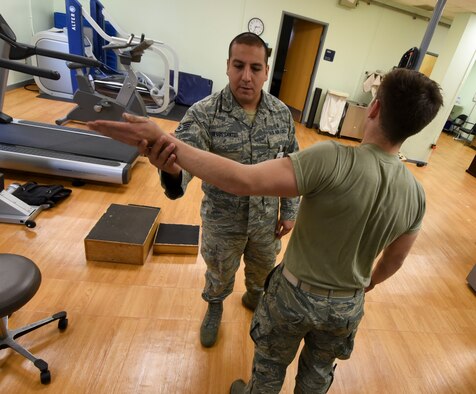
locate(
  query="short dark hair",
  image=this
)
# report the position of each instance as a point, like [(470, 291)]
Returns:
[(251, 39), (409, 101)]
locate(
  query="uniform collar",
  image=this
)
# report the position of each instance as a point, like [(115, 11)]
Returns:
[(229, 103)]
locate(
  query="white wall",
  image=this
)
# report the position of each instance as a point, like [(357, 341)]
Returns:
[(366, 38), (467, 93), (199, 31), (18, 14), (451, 71)]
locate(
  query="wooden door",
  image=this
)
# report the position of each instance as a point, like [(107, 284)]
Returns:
[(299, 65)]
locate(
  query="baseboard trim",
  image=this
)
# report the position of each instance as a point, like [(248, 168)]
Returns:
[(20, 84)]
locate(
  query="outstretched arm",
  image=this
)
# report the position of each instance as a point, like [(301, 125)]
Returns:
[(269, 178)]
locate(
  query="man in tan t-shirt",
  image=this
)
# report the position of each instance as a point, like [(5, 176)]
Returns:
[(356, 202)]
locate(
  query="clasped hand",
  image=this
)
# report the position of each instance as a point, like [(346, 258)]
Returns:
[(146, 135)]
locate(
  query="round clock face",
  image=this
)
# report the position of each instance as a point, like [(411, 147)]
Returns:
[(256, 25)]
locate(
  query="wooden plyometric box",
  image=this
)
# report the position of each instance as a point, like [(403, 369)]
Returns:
[(124, 234), (177, 239)]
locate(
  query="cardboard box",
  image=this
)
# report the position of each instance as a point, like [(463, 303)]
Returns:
[(177, 239), (124, 234)]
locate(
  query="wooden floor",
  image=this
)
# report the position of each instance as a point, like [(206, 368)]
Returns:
[(135, 329)]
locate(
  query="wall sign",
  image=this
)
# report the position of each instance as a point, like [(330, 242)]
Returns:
[(329, 55)]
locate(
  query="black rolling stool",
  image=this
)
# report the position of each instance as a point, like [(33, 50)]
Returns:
[(20, 279)]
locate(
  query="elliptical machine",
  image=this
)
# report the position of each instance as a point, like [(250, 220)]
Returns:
[(92, 105), (76, 35)]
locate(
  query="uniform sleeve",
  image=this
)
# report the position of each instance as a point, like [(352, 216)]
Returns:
[(314, 167), (289, 206), (416, 226), (193, 130)]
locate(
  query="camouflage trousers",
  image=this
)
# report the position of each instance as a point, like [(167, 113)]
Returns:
[(222, 253), (287, 315)]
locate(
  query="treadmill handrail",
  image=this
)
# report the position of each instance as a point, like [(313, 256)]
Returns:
[(19, 50), (25, 68)]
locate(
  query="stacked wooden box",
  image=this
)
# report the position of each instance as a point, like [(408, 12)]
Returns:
[(126, 234)]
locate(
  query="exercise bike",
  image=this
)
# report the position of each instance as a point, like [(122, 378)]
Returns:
[(92, 105), (80, 33)]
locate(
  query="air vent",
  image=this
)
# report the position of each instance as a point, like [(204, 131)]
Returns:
[(349, 3)]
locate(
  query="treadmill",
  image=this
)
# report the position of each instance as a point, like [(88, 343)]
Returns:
[(81, 155)]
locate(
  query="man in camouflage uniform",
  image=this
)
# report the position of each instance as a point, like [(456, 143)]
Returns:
[(248, 125)]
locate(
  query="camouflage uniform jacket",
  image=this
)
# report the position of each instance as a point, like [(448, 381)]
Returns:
[(219, 124)]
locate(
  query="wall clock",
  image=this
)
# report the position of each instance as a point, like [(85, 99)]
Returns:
[(256, 25)]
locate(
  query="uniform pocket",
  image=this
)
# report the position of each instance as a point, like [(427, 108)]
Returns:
[(277, 318), (255, 332), (228, 144), (345, 348), (276, 331), (351, 314), (278, 144)]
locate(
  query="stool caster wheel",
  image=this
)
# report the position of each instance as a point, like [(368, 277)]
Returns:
[(63, 324), (45, 377)]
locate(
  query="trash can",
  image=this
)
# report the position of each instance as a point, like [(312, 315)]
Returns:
[(332, 111)]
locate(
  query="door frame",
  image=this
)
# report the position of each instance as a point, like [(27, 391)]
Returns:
[(282, 44)]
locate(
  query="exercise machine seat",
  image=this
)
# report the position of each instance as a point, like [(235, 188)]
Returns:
[(20, 279)]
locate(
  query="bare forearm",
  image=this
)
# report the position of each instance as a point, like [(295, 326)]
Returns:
[(384, 270), (392, 259)]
